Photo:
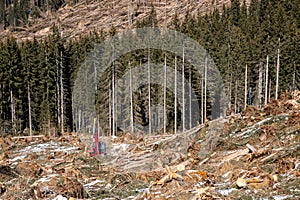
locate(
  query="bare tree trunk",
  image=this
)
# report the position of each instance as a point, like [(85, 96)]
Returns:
[(109, 110), (202, 103), (266, 81), (294, 76), (58, 98), (29, 110), (131, 100), (246, 77), (61, 95), (260, 84), (190, 95), (235, 96), (149, 93), (205, 86), (175, 98), (230, 91), (116, 103), (165, 94), (183, 91), (270, 83), (79, 119), (113, 100), (277, 72)]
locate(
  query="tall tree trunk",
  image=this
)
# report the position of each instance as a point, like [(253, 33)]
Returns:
[(79, 119), (202, 102), (29, 110), (57, 97), (165, 95), (131, 100), (246, 77), (266, 81), (294, 77), (61, 94), (269, 91), (175, 98), (149, 93), (183, 91), (190, 97), (110, 110), (116, 101), (260, 84), (277, 72), (230, 91), (113, 100), (205, 85), (235, 96)]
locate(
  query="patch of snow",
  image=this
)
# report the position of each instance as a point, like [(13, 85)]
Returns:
[(52, 146), (65, 149), (226, 191), (280, 197), (60, 197)]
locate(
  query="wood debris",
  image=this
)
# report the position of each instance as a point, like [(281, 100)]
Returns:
[(256, 154)]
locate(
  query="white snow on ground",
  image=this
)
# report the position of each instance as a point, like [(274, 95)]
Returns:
[(226, 191), (60, 197), (280, 197), (52, 146), (48, 147)]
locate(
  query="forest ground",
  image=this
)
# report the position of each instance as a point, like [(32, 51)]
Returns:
[(250, 155)]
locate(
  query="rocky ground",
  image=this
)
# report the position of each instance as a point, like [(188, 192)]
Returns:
[(251, 155)]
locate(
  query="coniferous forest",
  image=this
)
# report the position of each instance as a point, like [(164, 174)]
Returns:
[(37, 77)]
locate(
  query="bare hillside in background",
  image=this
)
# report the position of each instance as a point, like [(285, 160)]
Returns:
[(85, 16)]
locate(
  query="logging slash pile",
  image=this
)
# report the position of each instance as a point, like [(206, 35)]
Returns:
[(250, 155)]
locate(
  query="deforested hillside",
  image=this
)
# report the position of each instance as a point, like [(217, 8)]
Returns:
[(29, 19)]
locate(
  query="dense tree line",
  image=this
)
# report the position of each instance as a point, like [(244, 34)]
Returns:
[(36, 77)]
